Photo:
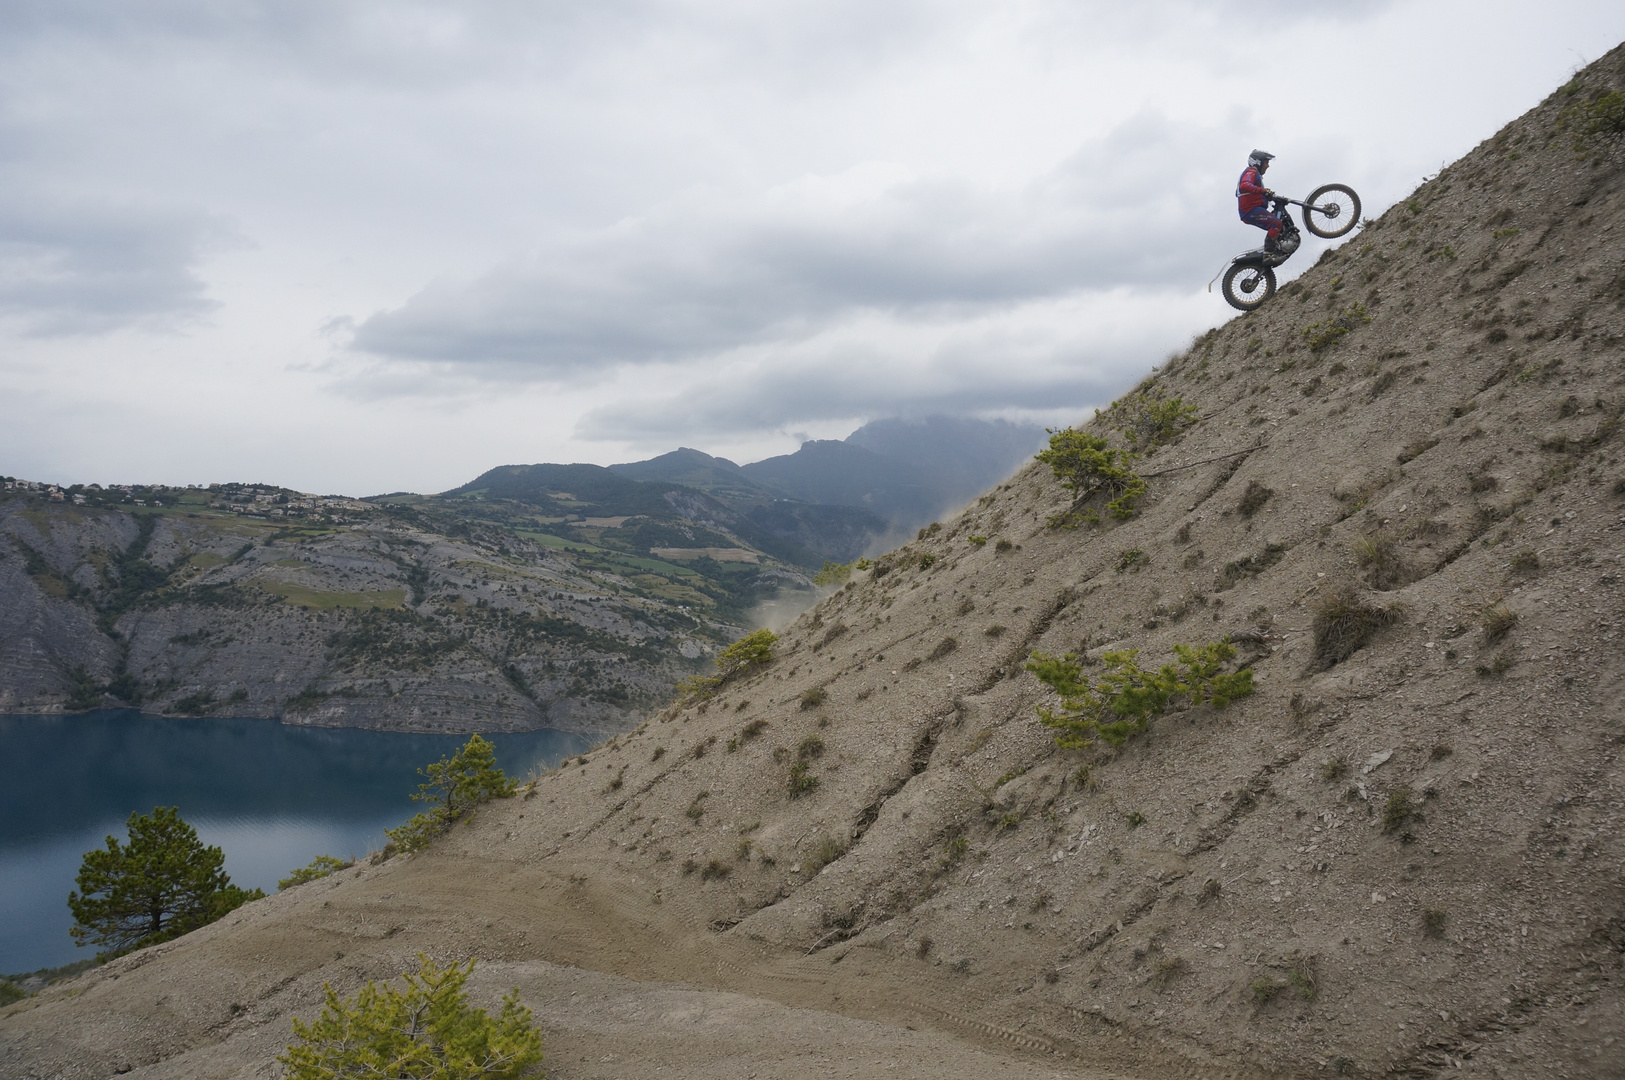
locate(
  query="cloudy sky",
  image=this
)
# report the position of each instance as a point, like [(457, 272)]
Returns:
[(383, 244)]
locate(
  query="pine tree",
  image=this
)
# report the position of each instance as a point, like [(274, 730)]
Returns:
[(454, 785), (160, 884)]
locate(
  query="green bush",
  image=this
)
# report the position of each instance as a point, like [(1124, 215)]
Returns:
[(319, 867), (1087, 466), (749, 653), (10, 992), (1149, 418), (427, 1032), (833, 573), (1125, 698)]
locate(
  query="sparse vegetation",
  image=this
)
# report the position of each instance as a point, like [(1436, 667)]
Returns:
[(1499, 665), (1334, 769), (715, 870), (1002, 546), (427, 1032), (1131, 559), (943, 648), (814, 697), (810, 749), (1088, 466), (1125, 698), (1165, 969), (1134, 819), (1525, 562), (696, 808), (1345, 623), (995, 630), (1328, 332), (974, 541), (659, 752), (1433, 920)]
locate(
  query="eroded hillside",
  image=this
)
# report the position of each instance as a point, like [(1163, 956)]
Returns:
[(1400, 856)]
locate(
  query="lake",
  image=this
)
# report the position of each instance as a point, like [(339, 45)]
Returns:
[(271, 795)]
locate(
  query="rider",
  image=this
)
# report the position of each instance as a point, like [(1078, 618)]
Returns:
[(1252, 199)]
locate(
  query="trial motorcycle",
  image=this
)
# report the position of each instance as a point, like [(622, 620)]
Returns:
[(1330, 211)]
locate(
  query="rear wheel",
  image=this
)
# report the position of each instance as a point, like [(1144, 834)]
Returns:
[(1247, 285), (1331, 211)]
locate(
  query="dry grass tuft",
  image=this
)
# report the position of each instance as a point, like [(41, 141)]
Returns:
[(1344, 624)]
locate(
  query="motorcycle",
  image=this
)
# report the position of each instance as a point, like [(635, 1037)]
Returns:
[(1329, 212)]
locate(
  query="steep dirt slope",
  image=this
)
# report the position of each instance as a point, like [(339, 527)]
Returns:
[(1407, 862)]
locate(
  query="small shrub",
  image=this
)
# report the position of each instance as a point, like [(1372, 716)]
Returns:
[(751, 730), (1134, 818), (826, 851), (1253, 499), (943, 648), (1325, 334), (1209, 892), (749, 653), (1125, 698), (1525, 562), (833, 573), (1499, 622), (1334, 769), (429, 1031), (801, 782), (996, 630), (1003, 546), (1500, 665), (319, 867), (1433, 919), (742, 850), (1132, 559), (922, 948), (1344, 624), (1265, 990), (813, 698), (1379, 557), (1440, 751), (660, 752), (1086, 465), (715, 870), (926, 560), (1011, 820), (1398, 811), (811, 748), (974, 541), (955, 850), (10, 992), (1149, 418), (1301, 977), (696, 809), (1165, 969)]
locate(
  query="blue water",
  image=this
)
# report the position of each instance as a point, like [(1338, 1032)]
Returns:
[(272, 796)]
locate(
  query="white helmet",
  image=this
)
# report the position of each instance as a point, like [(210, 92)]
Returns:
[(1259, 158)]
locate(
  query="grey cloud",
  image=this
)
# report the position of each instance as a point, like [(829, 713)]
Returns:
[(697, 281), (80, 267)]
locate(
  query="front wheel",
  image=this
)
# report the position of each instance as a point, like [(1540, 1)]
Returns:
[(1247, 285), (1331, 211)]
